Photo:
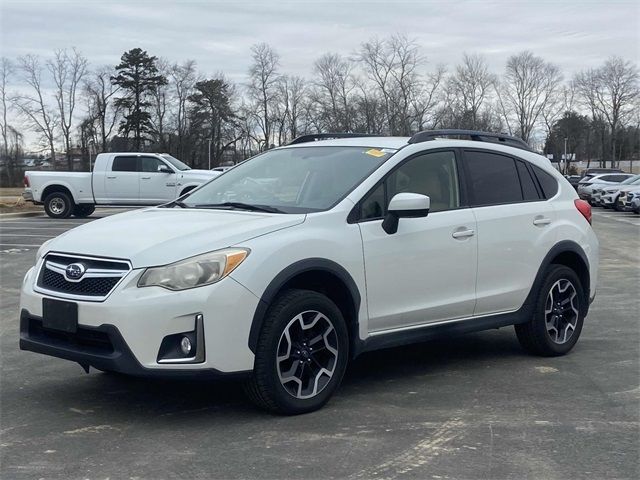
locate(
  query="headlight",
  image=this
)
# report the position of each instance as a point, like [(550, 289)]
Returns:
[(42, 249), (196, 271)]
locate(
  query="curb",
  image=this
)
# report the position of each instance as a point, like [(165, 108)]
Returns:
[(20, 214)]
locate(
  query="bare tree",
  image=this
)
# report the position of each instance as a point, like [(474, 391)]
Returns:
[(183, 78), (335, 84), (528, 86), (392, 66), (263, 88), (35, 110), (67, 68), (100, 93), (159, 114), (470, 85), (6, 71), (611, 92), (425, 103)]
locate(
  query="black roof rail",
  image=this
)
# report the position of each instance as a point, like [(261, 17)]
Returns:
[(314, 137), (474, 135)]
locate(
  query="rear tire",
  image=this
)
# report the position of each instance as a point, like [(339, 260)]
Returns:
[(83, 211), (301, 355), (58, 205), (558, 314)]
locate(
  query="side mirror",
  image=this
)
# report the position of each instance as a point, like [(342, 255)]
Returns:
[(407, 205), (164, 169)]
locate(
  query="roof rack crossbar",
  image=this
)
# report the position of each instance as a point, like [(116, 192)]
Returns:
[(475, 135), (314, 137)]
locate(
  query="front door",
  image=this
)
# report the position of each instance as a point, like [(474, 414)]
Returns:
[(155, 186), (426, 271)]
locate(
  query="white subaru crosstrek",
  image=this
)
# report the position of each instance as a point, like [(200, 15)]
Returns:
[(287, 266)]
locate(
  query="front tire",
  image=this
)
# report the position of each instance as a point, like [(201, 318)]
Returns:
[(301, 355), (558, 314), (58, 205)]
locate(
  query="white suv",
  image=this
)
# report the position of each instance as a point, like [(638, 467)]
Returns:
[(287, 266)]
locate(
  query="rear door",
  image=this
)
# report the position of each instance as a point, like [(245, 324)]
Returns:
[(122, 179), (514, 227), (155, 186)]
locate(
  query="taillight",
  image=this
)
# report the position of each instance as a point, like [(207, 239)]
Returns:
[(584, 208), (26, 182)]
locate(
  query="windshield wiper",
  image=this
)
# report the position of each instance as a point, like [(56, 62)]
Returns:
[(241, 206), (176, 203)]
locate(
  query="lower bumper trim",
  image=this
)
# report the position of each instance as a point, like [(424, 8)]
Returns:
[(101, 347)]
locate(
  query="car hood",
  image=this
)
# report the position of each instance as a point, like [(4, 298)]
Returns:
[(157, 236)]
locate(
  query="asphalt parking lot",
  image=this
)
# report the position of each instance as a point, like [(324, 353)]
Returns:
[(471, 407)]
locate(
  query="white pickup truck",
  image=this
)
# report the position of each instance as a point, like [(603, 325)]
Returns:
[(128, 179)]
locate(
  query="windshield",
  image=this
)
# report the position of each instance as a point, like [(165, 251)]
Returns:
[(175, 162), (290, 180), (634, 179)]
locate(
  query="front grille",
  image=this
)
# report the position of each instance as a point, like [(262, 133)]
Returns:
[(99, 276), (98, 287)]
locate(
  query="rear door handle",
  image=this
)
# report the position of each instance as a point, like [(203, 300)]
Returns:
[(145, 178), (463, 233), (110, 177), (541, 221)]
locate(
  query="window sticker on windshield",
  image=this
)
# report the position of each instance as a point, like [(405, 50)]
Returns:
[(374, 152)]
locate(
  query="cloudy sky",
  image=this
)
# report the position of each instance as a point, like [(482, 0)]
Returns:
[(218, 35)]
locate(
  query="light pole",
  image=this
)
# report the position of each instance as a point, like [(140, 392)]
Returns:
[(209, 154)]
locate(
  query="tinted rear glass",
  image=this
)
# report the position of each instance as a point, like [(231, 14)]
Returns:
[(529, 190), (125, 164), (547, 182), (493, 178)]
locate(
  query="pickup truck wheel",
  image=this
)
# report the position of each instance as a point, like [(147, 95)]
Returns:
[(301, 355), (558, 314), (82, 211), (58, 205)]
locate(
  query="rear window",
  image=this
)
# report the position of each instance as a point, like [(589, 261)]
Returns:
[(493, 178), (548, 184), (529, 190), (125, 164)]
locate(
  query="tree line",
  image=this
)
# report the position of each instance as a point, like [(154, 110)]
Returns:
[(146, 103)]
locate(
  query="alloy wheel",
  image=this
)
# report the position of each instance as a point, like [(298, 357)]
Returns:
[(561, 311), (307, 354), (57, 205)]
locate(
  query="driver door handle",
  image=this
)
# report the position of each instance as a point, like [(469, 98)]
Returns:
[(463, 233)]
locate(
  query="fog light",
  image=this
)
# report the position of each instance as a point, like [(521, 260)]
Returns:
[(185, 345)]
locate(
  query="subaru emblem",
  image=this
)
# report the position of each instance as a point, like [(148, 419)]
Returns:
[(75, 271)]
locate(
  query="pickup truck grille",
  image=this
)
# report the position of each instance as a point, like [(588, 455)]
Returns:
[(82, 278)]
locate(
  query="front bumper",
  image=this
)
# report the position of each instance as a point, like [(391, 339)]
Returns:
[(132, 322)]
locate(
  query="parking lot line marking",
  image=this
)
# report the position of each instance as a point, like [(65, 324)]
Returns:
[(17, 245), (37, 228), (26, 235)]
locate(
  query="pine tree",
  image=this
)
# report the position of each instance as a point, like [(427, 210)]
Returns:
[(138, 76)]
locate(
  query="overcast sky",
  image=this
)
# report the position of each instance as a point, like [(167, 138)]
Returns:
[(218, 35)]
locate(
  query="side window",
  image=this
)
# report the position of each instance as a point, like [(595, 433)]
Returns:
[(433, 174), (125, 164), (373, 206), (529, 190), (493, 178), (548, 184), (150, 164), (619, 178)]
